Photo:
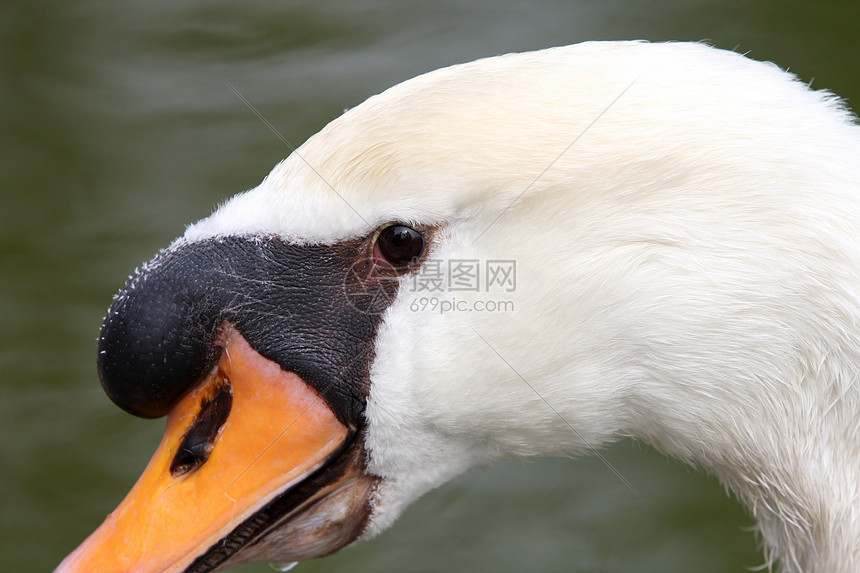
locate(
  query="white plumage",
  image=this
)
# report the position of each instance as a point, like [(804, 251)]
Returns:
[(686, 227)]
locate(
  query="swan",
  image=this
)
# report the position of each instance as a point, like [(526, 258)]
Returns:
[(676, 230)]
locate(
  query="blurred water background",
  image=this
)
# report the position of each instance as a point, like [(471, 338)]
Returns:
[(118, 129)]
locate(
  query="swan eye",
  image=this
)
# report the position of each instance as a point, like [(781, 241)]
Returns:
[(397, 246)]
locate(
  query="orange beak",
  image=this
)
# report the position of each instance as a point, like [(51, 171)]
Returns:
[(235, 447)]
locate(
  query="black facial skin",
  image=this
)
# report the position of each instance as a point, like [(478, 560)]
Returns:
[(312, 309)]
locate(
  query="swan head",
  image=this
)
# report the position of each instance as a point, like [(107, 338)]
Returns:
[(532, 254)]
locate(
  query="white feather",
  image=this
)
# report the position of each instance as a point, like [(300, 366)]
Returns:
[(686, 227)]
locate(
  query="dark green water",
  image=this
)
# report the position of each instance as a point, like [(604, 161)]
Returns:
[(118, 129)]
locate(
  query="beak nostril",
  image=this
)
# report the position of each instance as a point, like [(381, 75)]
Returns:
[(199, 440), (187, 460)]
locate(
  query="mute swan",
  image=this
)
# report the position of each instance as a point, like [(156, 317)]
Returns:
[(684, 226)]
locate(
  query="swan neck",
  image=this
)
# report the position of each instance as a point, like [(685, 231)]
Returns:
[(804, 493)]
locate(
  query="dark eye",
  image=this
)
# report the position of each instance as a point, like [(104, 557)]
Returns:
[(397, 246)]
